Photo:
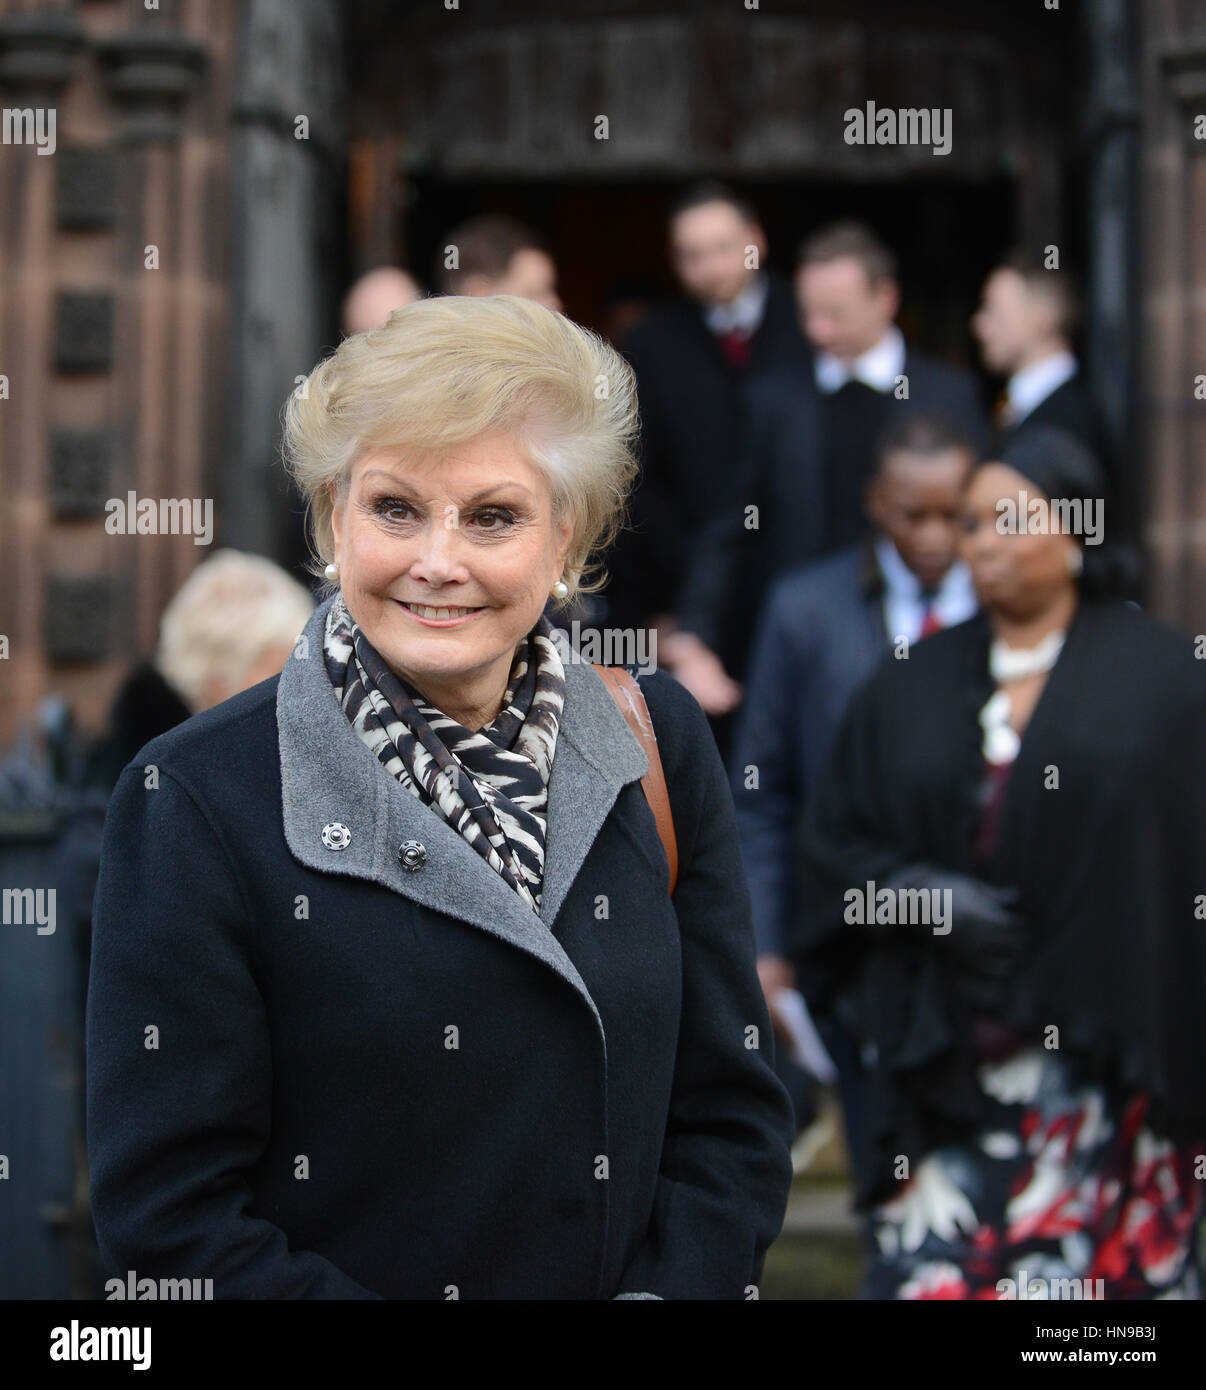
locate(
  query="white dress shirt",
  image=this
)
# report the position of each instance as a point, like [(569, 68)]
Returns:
[(1028, 389), (878, 367), (745, 312), (904, 611)]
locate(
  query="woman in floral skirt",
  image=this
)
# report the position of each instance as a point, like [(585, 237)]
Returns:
[(1005, 889)]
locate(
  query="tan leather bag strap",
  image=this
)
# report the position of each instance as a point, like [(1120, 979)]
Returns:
[(631, 702)]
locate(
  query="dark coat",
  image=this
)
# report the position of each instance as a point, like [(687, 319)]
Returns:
[(692, 418), (783, 465), (375, 1082), (1070, 407), (1102, 832), (146, 705), (821, 635)]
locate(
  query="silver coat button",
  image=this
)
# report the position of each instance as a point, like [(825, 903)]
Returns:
[(336, 836), (412, 854)]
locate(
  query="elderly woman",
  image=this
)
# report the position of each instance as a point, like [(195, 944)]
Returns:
[(230, 625), (1006, 866), (389, 994)]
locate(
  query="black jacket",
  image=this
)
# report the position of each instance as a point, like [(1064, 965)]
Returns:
[(1070, 407), (366, 1081), (821, 635), (783, 472), (692, 418), (1102, 832), (144, 706)]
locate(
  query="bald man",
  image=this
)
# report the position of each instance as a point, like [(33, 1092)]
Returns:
[(375, 296)]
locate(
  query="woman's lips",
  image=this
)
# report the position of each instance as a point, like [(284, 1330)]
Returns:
[(439, 615)]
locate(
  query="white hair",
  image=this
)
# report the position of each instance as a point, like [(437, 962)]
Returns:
[(445, 371), (232, 609)]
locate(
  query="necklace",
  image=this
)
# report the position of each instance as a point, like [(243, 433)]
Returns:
[(1007, 664), (1000, 743), (1001, 740)]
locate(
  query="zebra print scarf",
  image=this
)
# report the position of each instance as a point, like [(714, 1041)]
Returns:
[(490, 785)]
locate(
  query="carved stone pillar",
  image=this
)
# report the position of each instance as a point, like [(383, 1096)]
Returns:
[(111, 332), (152, 75), (1110, 141), (1174, 301), (39, 54), (288, 209)]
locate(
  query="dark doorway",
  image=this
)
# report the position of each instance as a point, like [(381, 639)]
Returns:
[(609, 238)]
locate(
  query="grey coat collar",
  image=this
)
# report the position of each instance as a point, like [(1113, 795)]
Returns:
[(328, 775)]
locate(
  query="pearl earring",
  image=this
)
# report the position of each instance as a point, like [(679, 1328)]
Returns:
[(331, 573), (1076, 562), (561, 589)]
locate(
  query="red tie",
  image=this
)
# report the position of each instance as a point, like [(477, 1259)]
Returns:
[(930, 621), (736, 347)]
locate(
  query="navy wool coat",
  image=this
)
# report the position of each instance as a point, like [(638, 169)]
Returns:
[(315, 1072)]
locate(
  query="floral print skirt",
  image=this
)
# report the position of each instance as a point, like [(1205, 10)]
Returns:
[(1075, 1198)]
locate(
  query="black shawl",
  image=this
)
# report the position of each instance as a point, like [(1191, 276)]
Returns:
[(1109, 866)]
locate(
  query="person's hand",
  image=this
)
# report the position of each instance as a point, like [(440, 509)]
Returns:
[(696, 666), (775, 974), (983, 931)]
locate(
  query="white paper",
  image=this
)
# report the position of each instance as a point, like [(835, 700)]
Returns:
[(806, 1050)]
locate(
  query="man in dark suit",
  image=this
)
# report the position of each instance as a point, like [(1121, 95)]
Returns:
[(824, 629), (1025, 325), (810, 448), (694, 360)]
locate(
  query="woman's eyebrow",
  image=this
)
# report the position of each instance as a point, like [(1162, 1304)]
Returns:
[(493, 490), (390, 478)]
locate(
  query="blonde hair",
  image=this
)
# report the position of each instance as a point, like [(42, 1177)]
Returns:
[(226, 615), (445, 371)]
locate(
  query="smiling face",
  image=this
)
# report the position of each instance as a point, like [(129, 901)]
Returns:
[(1018, 573), (446, 563)]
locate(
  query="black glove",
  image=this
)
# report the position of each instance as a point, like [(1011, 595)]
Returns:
[(976, 923)]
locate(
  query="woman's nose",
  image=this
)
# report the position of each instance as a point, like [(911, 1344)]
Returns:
[(988, 538), (439, 553)]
